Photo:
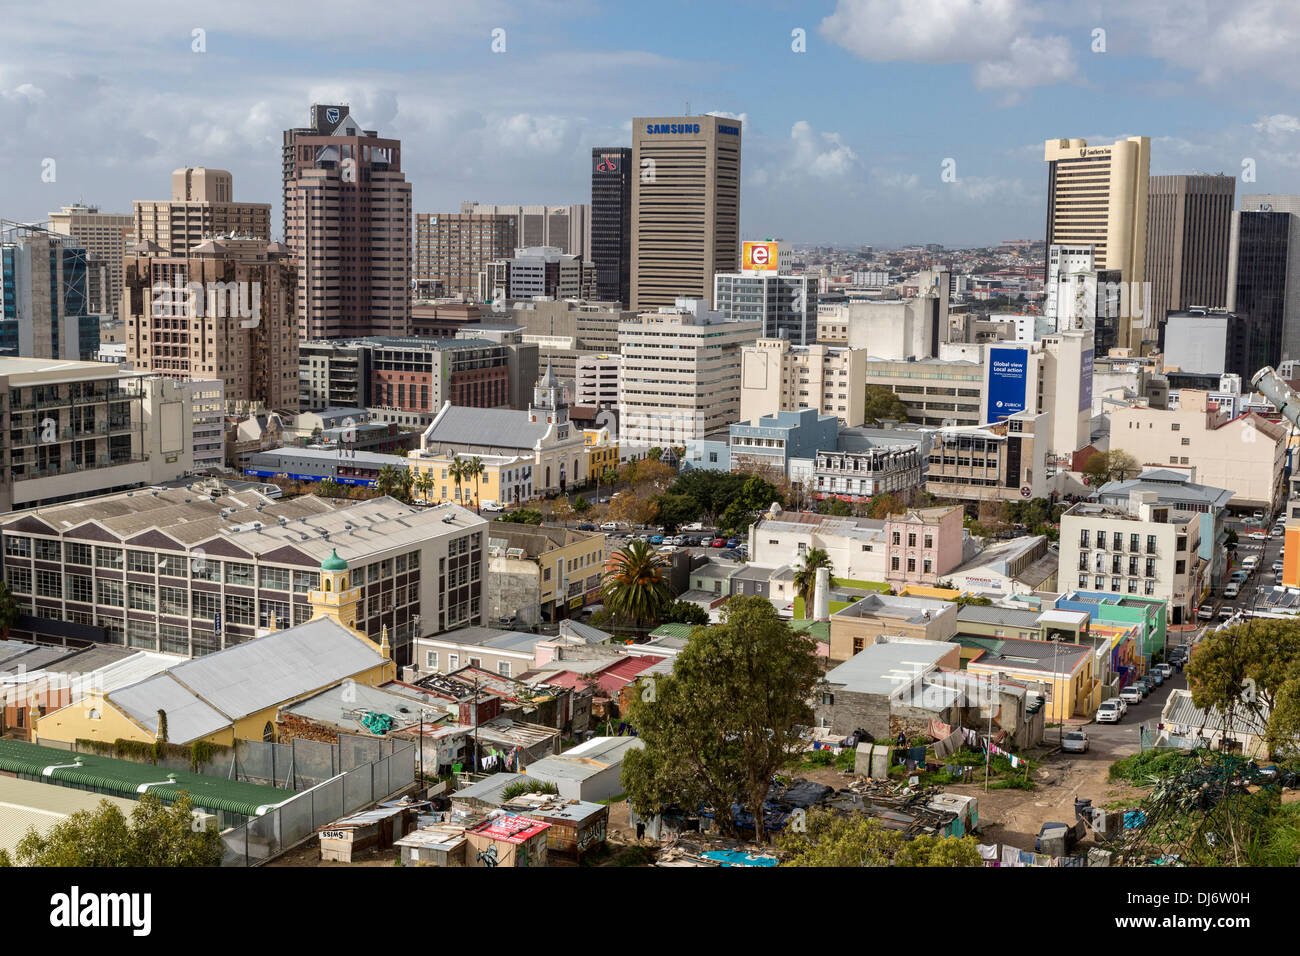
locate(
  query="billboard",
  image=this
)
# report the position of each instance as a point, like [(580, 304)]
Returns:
[(1008, 376), (1085, 379), (759, 256)]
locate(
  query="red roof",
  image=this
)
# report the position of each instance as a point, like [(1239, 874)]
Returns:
[(610, 678), (511, 829)]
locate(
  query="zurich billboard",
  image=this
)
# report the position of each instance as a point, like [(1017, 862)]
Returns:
[(1008, 378)]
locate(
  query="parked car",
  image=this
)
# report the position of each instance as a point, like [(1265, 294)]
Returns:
[(1278, 532), (719, 543), (732, 542), (694, 526), (667, 548), (1205, 612), (1156, 677), (1166, 669), (656, 539), (490, 505), (586, 526), (1250, 563), (609, 526), (1277, 567), (1075, 742), (1231, 589), (1109, 712), (1133, 694), (1225, 613), (1123, 704), (1258, 535), (1239, 576)]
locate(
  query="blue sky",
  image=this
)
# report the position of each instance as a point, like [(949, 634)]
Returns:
[(843, 142)]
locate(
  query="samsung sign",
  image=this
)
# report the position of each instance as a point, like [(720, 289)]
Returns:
[(1008, 375), (659, 129)]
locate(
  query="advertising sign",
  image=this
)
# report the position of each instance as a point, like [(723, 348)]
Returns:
[(1008, 375), (760, 256), (1085, 379)]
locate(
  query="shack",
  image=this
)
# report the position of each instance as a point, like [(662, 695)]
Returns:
[(438, 845), (507, 840), (577, 826), (345, 840)]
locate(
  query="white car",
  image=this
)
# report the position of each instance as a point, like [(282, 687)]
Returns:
[(1132, 695), (1232, 590), (1258, 535), (1250, 563), (609, 526), (1109, 712), (1075, 742)]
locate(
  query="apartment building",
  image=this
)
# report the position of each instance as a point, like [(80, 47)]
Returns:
[(45, 295), (452, 249), (776, 442), (1246, 453), (786, 305), (104, 235), (349, 224), (680, 373), (506, 479), (685, 206), (936, 392), (222, 310), (202, 206), (183, 573), (567, 228), (777, 376), (208, 420), (79, 428), (1004, 462), (1140, 548)]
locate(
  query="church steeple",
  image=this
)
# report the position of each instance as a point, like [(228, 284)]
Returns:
[(334, 599), (548, 400)]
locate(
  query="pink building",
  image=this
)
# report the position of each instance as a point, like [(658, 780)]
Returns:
[(923, 545)]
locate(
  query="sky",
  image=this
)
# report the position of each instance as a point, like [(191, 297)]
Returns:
[(851, 108)]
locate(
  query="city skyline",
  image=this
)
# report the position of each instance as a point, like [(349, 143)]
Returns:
[(882, 95)]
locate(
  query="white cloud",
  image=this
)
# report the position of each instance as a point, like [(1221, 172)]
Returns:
[(1277, 124), (991, 35), (825, 156)]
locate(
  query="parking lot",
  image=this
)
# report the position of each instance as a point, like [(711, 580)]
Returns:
[(703, 541)]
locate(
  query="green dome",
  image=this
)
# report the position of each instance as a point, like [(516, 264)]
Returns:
[(334, 562)]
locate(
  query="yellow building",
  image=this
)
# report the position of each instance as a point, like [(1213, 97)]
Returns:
[(560, 566), (1064, 671), (602, 454), (507, 480), (234, 694)]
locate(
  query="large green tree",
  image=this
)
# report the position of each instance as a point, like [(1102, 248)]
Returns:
[(684, 612), (1252, 669), (829, 839), (676, 510), (714, 490), (1113, 465), (727, 719), (882, 403), (636, 587), (389, 480), (155, 835)]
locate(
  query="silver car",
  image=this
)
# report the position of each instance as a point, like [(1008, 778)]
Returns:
[(1075, 742)]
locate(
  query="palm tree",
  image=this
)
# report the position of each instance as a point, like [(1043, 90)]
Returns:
[(805, 576), (474, 469), (424, 483), (405, 482), (388, 481), (636, 585), (8, 610), (457, 470)]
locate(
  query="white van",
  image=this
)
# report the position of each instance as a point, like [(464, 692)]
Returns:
[(490, 505), (1250, 563)]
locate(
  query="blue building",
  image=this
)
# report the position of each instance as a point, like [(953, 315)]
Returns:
[(44, 296), (775, 440)]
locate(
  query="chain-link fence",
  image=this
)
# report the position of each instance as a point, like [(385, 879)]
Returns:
[(296, 819)]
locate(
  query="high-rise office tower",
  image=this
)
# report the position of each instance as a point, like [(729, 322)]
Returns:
[(1264, 277), (1097, 195), (611, 222), (1189, 219), (202, 206), (685, 206), (452, 249), (44, 296), (324, 120), (106, 235), (238, 324), (349, 224)]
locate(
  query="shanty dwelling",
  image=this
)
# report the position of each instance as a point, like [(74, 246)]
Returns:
[(483, 794), (507, 840), (438, 845), (577, 827), (1185, 726), (591, 771)]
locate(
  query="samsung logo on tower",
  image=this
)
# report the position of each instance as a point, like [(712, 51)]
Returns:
[(657, 129)]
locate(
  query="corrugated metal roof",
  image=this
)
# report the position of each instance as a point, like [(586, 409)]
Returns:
[(188, 717), (473, 427), (270, 670), (123, 777), (25, 804)]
